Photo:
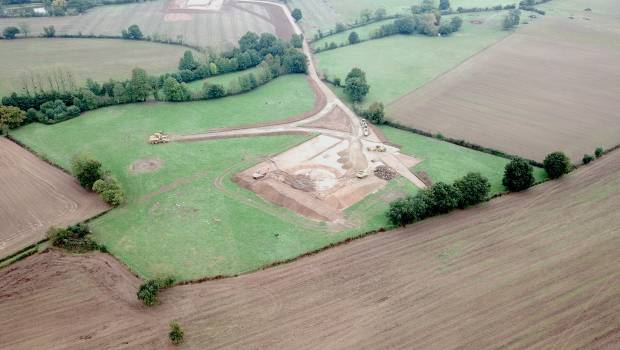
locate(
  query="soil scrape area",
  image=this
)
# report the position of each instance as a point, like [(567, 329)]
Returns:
[(141, 166)]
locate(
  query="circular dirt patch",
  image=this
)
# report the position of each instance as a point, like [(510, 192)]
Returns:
[(141, 166)]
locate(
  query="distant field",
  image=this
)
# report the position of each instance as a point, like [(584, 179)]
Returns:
[(325, 14), (206, 29), (99, 59), (399, 64), (551, 86)]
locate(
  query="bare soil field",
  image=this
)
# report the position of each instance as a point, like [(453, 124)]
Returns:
[(167, 20), (35, 196), (97, 59), (536, 270), (550, 86)]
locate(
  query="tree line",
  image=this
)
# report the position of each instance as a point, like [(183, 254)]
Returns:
[(59, 100), (472, 189)]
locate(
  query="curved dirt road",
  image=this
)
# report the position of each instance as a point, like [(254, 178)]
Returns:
[(358, 141)]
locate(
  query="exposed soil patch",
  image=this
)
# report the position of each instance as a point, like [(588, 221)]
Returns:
[(314, 179), (36, 196), (335, 120), (423, 176), (141, 166), (491, 276)]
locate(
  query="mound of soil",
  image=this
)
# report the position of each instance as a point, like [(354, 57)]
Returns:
[(385, 172), (142, 166)]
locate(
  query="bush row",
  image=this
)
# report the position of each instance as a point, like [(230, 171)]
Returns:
[(148, 291), (89, 174), (441, 198), (74, 239)]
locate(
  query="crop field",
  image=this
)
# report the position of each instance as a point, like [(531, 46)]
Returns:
[(217, 30), (536, 270), (397, 65), (83, 58), (186, 190), (37, 196), (550, 86)]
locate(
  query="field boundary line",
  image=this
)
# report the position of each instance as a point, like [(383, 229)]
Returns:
[(467, 59)]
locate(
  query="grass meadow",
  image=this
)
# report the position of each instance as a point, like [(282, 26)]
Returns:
[(188, 219), (399, 64)]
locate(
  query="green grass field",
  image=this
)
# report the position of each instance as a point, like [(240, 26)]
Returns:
[(188, 219), (447, 162), (99, 59), (224, 79), (400, 64)]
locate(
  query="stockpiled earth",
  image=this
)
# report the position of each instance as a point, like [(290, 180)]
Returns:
[(397, 65), (98, 59), (158, 20), (550, 86), (536, 270), (37, 196)]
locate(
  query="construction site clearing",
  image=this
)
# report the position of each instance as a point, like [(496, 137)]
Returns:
[(322, 176)]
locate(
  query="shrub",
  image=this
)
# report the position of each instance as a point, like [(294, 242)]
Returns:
[(355, 85), (375, 113), (587, 158), (73, 238), (86, 170), (110, 190), (213, 90), (409, 210), (297, 41), (148, 291), (443, 198), (297, 15), (473, 188), (354, 38), (10, 32), (599, 152), (175, 91), (518, 175), (11, 117), (176, 333), (557, 164)]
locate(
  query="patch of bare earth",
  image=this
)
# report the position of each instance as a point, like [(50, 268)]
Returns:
[(141, 166), (536, 270), (552, 85), (36, 196), (334, 120)]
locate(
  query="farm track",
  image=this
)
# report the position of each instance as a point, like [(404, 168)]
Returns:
[(535, 270), (36, 196)]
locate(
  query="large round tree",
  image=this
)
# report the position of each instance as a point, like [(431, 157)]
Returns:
[(557, 164), (518, 175)]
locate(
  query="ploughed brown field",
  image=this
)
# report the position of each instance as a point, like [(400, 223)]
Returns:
[(537, 270), (36, 196), (553, 85)]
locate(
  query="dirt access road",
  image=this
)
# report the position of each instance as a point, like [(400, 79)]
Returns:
[(35, 196), (358, 138), (537, 270)]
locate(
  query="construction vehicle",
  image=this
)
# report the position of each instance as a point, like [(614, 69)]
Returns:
[(159, 137), (361, 174), (259, 174)]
